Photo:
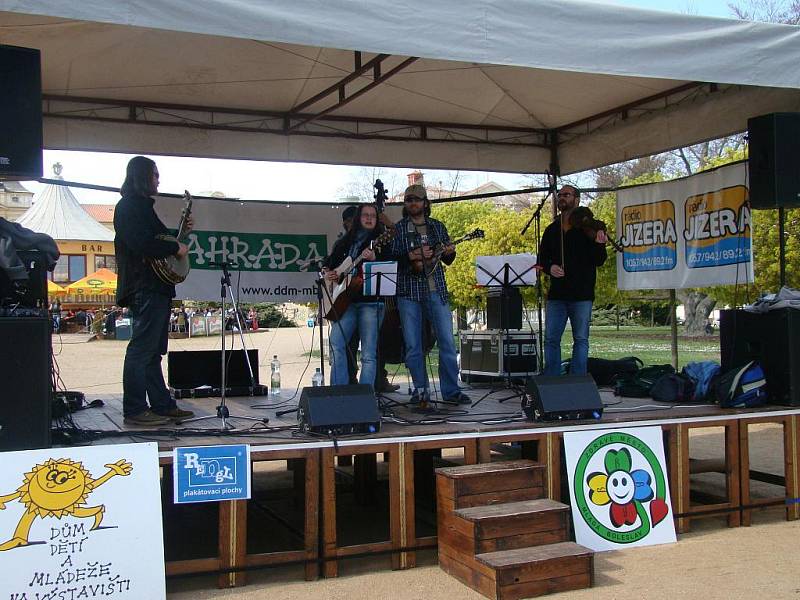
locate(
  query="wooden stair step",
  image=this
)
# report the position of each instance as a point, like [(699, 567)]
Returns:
[(484, 529), (522, 572), (489, 483)]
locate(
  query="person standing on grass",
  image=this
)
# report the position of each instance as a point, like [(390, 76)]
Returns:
[(571, 259)]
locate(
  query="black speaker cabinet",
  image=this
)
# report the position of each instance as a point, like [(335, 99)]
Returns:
[(339, 409), (562, 398), (36, 293), (192, 369), (20, 113), (25, 403), (504, 308), (774, 161), (773, 339)]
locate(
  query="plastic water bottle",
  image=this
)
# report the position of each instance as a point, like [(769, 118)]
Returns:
[(318, 380), (275, 383)]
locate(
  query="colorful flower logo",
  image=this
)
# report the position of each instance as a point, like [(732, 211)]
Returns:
[(636, 497), (620, 486)]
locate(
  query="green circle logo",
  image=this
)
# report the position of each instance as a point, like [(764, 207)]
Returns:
[(617, 501)]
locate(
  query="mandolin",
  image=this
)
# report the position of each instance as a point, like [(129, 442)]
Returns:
[(426, 267), (173, 270)]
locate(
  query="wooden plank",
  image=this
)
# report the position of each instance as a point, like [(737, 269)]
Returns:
[(733, 472), (497, 528), (457, 541), (467, 575), (523, 556), (312, 514), (275, 558), (531, 589), (512, 479), (791, 471), (232, 542), (194, 565), (524, 540), (544, 570), (498, 497), (511, 509), (330, 567), (479, 469)]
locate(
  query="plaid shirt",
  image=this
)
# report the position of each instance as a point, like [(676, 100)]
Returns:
[(409, 284)]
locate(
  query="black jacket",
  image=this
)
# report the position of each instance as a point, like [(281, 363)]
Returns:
[(137, 225), (582, 257), (340, 251)]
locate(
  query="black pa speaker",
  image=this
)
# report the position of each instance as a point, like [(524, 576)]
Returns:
[(339, 409), (772, 339), (774, 163), (20, 113), (562, 398), (190, 369), (504, 308), (25, 403)]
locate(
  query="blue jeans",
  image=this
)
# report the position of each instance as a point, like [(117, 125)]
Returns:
[(367, 318), (438, 313), (579, 314), (142, 378)]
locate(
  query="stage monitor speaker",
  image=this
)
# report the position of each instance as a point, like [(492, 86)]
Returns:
[(36, 292), (26, 400), (339, 409), (562, 398), (20, 113), (772, 339), (504, 308), (774, 160), (190, 369)]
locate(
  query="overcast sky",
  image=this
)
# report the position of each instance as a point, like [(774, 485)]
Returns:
[(289, 181)]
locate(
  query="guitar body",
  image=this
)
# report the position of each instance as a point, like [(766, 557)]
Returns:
[(173, 270)]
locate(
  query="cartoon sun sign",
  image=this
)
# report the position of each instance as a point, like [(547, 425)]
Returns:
[(56, 488)]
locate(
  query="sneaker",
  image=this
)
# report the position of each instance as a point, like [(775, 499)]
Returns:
[(147, 417), (459, 398), (176, 414)]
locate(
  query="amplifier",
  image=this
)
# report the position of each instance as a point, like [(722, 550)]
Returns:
[(339, 410), (481, 353), (33, 302), (504, 308), (562, 398)]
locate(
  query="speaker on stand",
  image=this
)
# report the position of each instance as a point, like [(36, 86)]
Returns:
[(20, 113)]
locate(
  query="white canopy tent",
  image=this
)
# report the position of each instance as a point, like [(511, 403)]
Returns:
[(497, 85)]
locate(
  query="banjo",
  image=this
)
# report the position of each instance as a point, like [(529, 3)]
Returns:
[(173, 270)]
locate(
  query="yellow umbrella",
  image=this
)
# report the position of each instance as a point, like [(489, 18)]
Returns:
[(53, 289), (101, 282)]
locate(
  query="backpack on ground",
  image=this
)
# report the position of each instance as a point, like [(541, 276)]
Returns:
[(673, 387), (606, 371), (639, 384), (743, 387)]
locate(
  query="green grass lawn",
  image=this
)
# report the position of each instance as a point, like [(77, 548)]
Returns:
[(650, 344)]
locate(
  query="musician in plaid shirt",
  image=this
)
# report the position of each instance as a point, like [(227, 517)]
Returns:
[(424, 294)]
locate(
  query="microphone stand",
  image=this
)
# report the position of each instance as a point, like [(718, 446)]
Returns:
[(222, 410)]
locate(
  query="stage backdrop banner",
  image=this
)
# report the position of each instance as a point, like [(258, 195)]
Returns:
[(618, 488), (276, 248), (81, 523), (690, 232)]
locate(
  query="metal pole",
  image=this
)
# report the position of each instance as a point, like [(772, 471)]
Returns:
[(674, 333)]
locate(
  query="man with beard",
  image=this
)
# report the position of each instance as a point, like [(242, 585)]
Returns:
[(422, 293), (570, 258)]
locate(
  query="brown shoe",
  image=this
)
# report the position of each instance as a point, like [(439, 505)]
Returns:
[(176, 414), (146, 418)]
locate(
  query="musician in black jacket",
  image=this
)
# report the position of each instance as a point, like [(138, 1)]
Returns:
[(138, 238), (366, 312)]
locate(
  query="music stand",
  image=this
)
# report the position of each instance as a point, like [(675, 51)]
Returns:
[(222, 410), (384, 275), (508, 275)]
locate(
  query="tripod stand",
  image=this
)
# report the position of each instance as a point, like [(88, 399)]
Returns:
[(222, 410)]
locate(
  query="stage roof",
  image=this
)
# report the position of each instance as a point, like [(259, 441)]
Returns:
[(464, 84)]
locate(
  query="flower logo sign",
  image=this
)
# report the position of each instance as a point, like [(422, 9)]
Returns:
[(619, 490)]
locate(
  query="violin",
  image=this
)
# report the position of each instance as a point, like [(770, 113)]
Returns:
[(582, 218)]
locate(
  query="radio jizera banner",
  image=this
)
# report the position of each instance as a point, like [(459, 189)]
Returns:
[(690, 232)]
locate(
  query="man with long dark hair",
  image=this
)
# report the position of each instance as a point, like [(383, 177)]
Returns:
[(139, 236), (366, 312), (422, 293)]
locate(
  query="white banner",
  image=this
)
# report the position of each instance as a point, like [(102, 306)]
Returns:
[(690, 232), (81, 523), (618, 488), (276, 247)]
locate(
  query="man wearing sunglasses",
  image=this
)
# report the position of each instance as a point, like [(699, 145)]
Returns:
[(422, 293), (571, 259)]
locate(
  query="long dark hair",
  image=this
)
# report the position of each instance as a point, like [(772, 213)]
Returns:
[(356, 226), (138, 177)]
